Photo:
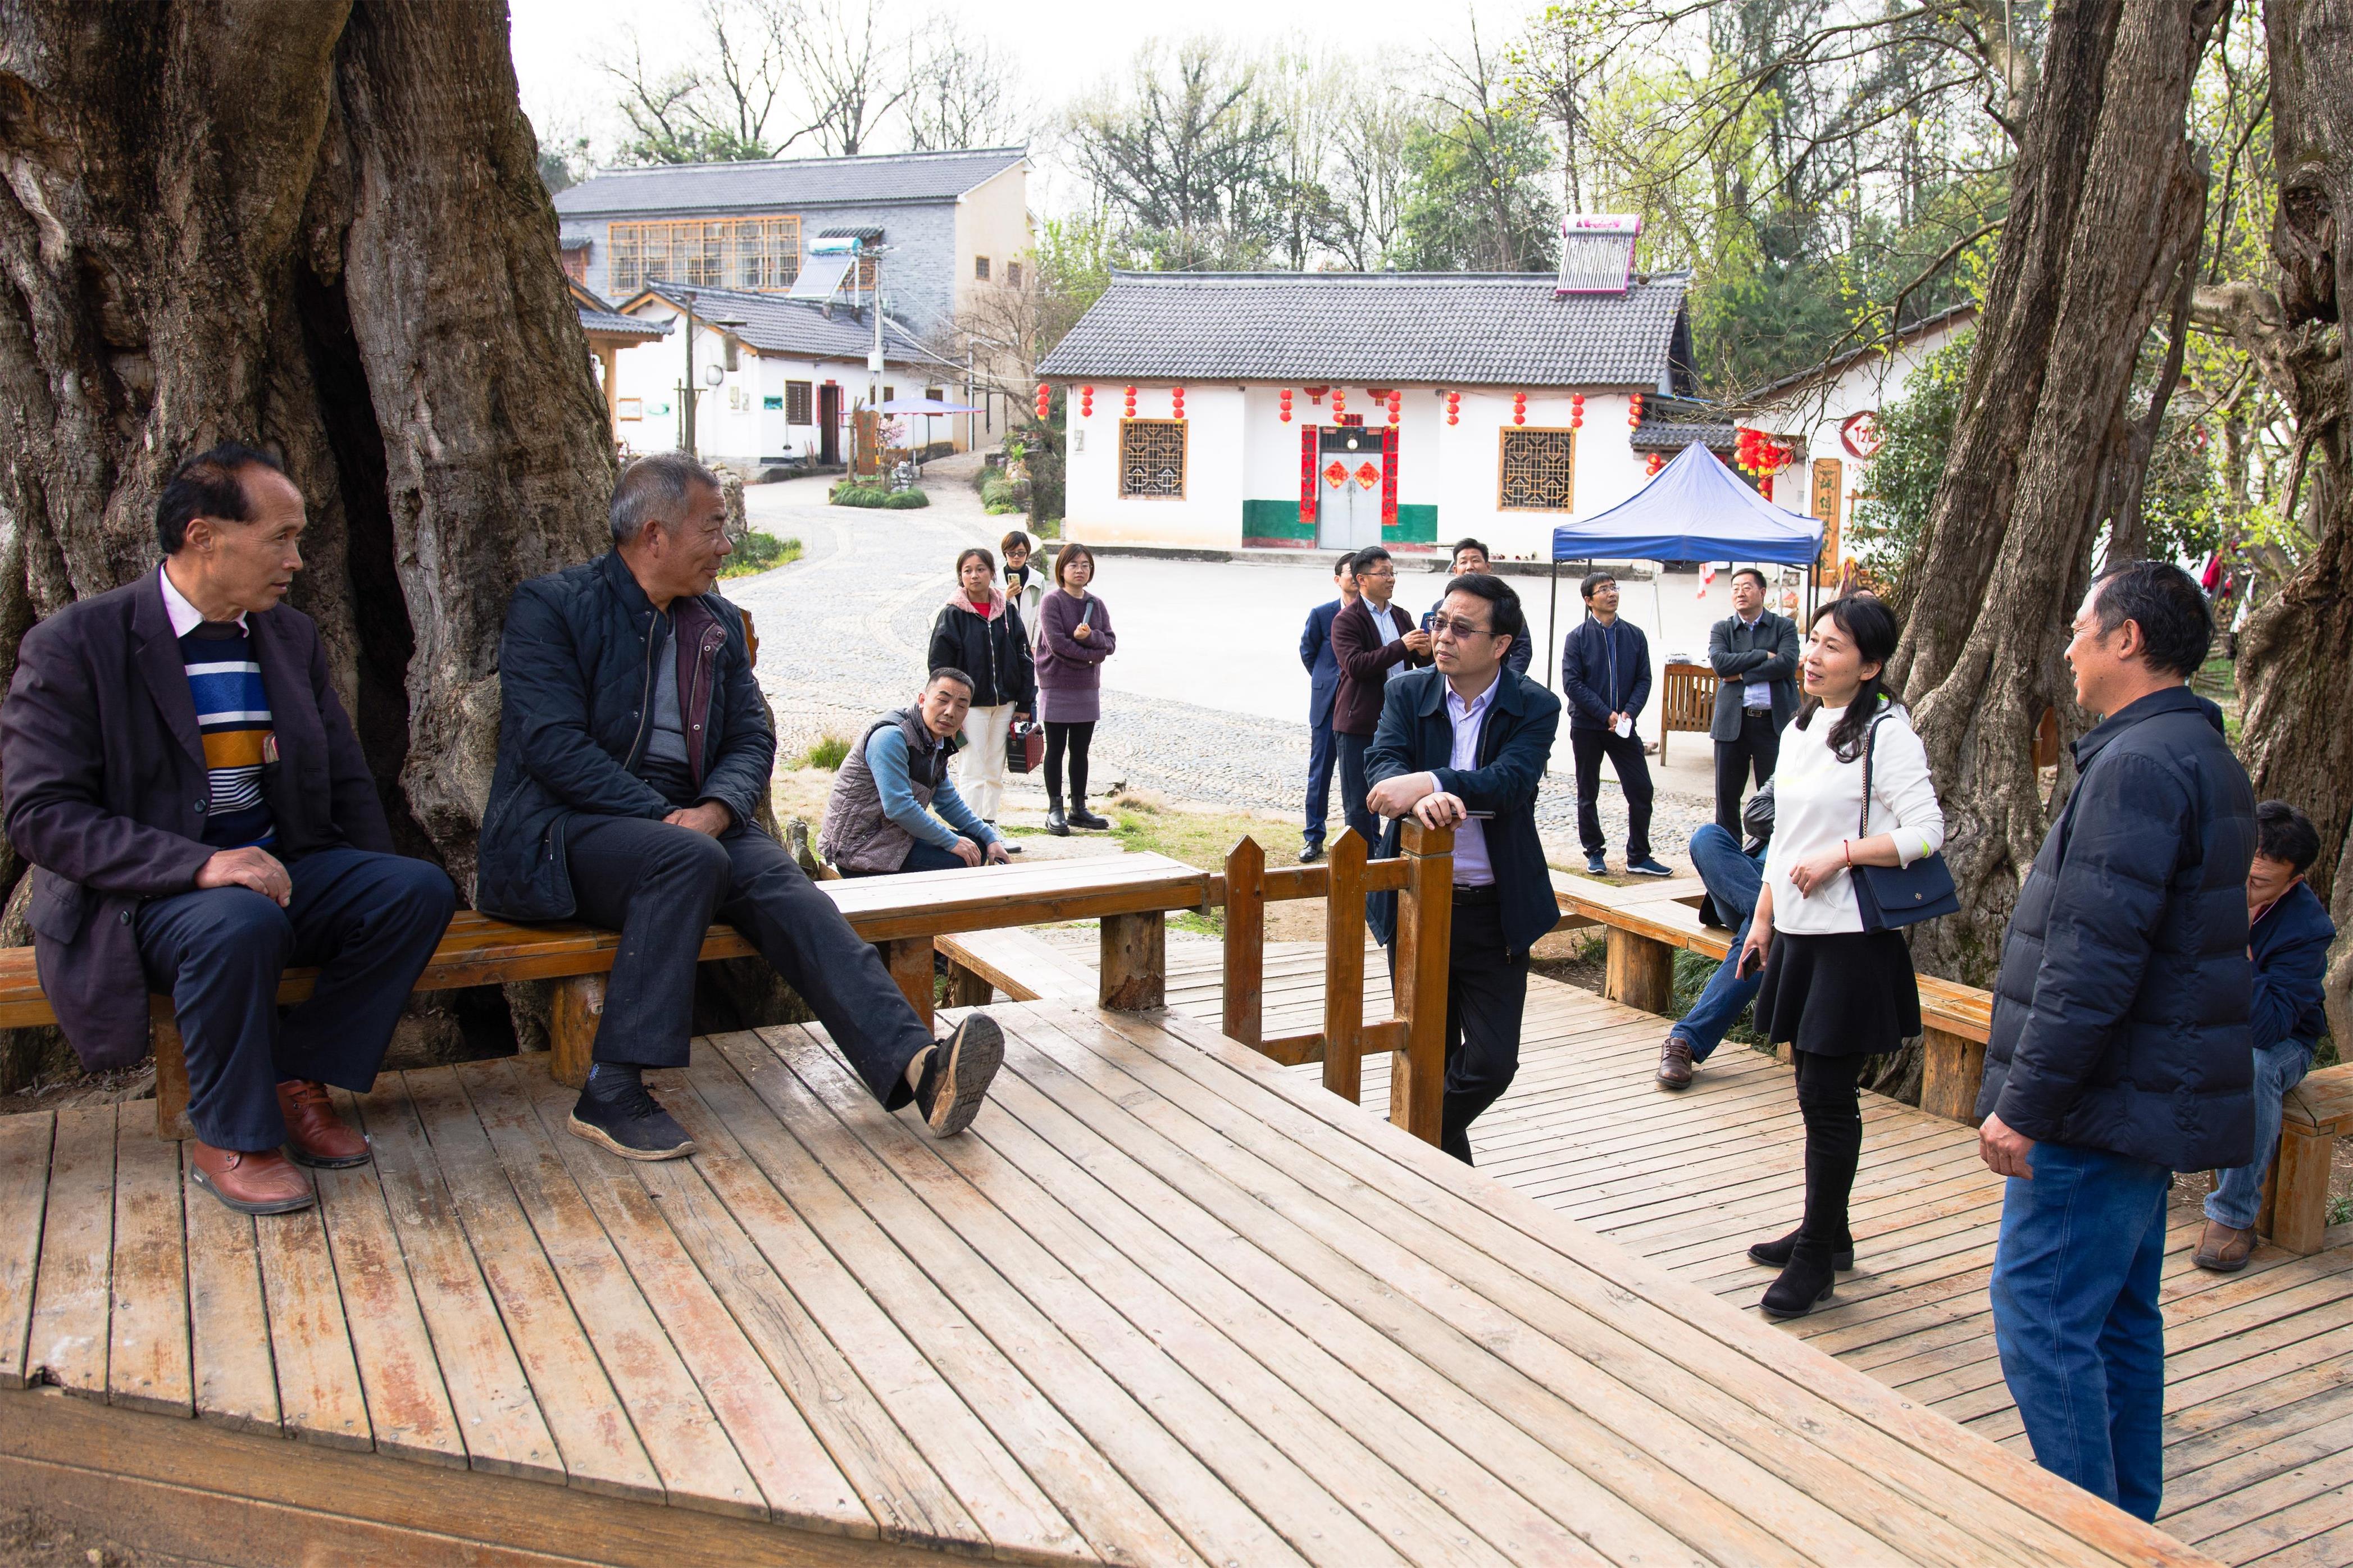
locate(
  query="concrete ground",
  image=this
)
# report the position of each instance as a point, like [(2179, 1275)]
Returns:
[(1204, 701)]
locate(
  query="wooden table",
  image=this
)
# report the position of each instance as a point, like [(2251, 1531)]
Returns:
[(1160, 1305)]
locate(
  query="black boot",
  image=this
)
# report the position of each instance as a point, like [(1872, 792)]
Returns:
[(1082, 817), (1055, 822), (1777, 1254), (1804, 1285)]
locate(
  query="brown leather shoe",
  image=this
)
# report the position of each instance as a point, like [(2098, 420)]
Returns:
[(2223, 1249), (315, 1135), (1675, 1063), (266, 1182)]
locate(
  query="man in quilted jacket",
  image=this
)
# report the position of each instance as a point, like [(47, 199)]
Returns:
[(2119, 1051)]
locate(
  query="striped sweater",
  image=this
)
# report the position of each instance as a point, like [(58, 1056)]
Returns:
[(233, 716)]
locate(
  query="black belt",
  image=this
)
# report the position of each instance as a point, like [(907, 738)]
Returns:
[(1466, 894)]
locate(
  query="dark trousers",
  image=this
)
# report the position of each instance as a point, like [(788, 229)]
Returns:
[(1758, 748), (1354, 787), (369, 922), (660, 886), (1319, 748), (921, 856), (1834, 1116), (1625, 754), (1486, 993), (1076, 738)]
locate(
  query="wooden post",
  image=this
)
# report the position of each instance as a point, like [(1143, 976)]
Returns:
[(1425, 936), (909, 959), (967, 989), (1641, 972), (1953, 1073), (171, 1071), (2300, 1187), (1245, 1015), (1343, 968), (572, 1020), (1134, 962)]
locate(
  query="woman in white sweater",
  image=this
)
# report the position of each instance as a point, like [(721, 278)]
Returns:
[(1837, 992)]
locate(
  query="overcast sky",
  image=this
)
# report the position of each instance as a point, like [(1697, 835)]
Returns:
[(1060, 46)]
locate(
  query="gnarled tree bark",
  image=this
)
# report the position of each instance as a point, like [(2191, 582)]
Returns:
[(316, 226)]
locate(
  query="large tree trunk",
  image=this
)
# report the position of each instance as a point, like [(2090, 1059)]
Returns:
[(2296, 739), (2106, 212), (317, 226)]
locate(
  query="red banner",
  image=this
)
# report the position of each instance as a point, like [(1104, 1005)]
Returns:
[(1388, 476), (1307, 477)]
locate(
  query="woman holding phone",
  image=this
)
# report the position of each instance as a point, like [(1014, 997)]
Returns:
[(1837, 992), (1075, 637), (979, 631)]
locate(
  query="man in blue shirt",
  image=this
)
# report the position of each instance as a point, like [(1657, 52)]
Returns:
[(1323, 678), (1605, 674), (893, 808), (2288, 937)]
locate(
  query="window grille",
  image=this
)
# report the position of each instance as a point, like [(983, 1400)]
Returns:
[(1152, 457), (1538, 470)]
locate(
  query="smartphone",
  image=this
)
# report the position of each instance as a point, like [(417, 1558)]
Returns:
[(1751, 960)]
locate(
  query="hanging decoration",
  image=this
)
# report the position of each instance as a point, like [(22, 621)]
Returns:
[(1339, 402), (1368, 474), (1397, 406), (1658, 460), (1454, 409), (1286, 405), (1177, 402), (1389, 480), (1316, 395), (1706, 579), (1576, 411), (1519, 408), (1758, 453), (1086, 403), (1131, 402), (1045, 402), (1307, 478), (1634, 412)]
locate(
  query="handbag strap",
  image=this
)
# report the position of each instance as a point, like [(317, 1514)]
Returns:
[(1869, 742)]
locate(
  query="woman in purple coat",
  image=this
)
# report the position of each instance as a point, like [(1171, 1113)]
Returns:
[(1075, 637)]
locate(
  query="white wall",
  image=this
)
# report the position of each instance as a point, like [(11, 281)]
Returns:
[(1815, 413), (1211, 512)]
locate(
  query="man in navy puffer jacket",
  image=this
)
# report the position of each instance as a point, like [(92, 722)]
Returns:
[(2119, 1051)]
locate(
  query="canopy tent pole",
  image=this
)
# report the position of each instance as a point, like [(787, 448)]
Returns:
[(1552, 624)]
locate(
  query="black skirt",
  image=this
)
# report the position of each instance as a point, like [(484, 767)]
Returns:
[(1846, 993)]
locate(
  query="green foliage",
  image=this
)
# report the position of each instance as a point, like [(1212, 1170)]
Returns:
[(850, 494), (1478, 196), (1692, 971), (758, 552), (906, 501), (999, 495), (827, 753), (1915, 431)]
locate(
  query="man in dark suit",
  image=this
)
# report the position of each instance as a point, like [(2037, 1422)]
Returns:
[(1472, 736), (199, 816), (1324, 676), (1605, 674), (1372, 640), (1754, 653)]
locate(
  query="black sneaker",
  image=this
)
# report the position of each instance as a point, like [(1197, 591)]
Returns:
[(1311, 853), (622, 1117), (956, 1080)]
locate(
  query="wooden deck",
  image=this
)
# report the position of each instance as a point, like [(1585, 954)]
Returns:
[(2259, 1410), (1164, 1304)]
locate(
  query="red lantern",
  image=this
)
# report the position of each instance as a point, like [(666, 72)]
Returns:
[(1658, 460), (1454, 409), (1045, 401), (1286, 405), (1131, 402), (1576, 411), (1397, 406), (1316, 395), (1634, 411), (1177, 402), (1519, 408), (1086, 402), (1339, 402)]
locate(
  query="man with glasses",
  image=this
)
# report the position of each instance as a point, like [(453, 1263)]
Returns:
[(1372, 640), (1464, 746)]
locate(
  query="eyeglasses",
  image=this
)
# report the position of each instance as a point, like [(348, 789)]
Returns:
[(1440, 626)]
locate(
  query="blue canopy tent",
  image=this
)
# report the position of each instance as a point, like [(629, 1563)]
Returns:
[(1694, 508)]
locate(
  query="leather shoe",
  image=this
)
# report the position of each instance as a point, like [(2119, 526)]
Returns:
[(315, 1135), (263, 1182), (2223, 1250), (1675, 1063), (1311, 853), (1056, 824), (1804, 1285)]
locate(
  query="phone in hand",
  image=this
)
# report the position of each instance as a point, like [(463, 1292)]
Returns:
[(1751, 960)]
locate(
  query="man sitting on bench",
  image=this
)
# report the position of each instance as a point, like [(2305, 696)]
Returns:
[(634, 751), (199, 815), (893, 808)]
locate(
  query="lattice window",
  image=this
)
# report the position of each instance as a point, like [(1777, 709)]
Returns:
[(980, 269), (1152, 457), (1538, 470), (800, 398), (763, 253)]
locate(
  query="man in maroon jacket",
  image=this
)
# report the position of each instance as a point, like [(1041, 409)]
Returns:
[(1371, 638)]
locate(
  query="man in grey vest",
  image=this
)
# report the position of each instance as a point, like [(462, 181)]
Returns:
[(1754, 653), (893, 808)]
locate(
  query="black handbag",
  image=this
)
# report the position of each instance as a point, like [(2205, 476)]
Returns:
[(1892, 897)]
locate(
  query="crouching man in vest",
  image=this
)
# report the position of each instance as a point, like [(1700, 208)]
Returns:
[(634, 751), (893, 808)]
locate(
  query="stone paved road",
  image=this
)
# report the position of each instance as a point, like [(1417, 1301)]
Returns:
[(842, 633)]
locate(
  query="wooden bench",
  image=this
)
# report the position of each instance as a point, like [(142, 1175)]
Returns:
[(2295, 1195), (903, 915), (1686, 702)]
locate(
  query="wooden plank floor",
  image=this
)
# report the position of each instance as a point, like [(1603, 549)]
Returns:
[(1163, 1304), (2258, 1409)]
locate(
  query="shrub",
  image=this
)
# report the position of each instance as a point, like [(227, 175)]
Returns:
[(857, 495), (758, 552), (827, 753), (906, 501), (999, 495)]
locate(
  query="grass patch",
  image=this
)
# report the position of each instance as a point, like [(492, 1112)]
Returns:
[(906, 501), (847, 494), (1000, 496), (1201, 839), (758, 553), (827, 753)]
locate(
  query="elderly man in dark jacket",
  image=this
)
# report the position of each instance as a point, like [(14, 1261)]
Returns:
[(2119, 1050), (634, 751), (1473, 736), (199, 815), (1372, 642)]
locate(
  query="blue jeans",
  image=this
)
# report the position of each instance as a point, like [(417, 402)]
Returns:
[(1732, 882), (2075, 1319), (2239, 1193)]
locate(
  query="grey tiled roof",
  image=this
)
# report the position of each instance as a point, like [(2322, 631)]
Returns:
[(775, 324), (1446, 329), (786, 183), (597, 315), (1653, 436)]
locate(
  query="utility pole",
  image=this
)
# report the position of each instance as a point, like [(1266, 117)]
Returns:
[(686, 399)]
